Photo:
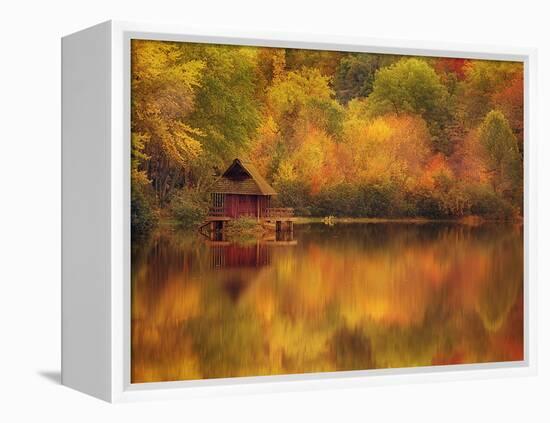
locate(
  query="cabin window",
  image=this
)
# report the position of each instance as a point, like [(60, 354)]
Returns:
[(218, 200)]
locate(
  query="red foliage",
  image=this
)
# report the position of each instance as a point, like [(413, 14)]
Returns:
[(510, 101), (447, 64)]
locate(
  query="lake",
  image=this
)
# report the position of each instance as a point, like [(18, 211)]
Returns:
[(351, 296)]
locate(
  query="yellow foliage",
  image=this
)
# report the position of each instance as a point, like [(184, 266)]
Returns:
[(387, 148)]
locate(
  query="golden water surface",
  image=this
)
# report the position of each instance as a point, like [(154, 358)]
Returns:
[(332, 298)]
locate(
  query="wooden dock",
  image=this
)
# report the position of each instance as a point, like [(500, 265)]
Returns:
[(276, 219)]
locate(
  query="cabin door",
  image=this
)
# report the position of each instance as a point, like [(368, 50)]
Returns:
[(247, 206)]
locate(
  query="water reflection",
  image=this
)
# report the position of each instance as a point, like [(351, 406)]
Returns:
[(230, 255), (342, 297)]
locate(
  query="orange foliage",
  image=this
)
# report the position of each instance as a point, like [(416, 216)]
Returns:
[(437, 166), (468, 160)]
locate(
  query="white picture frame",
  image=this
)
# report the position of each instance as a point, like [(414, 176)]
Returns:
[(96, 214)]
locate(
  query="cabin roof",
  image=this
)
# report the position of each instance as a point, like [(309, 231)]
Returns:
[(242, 177)]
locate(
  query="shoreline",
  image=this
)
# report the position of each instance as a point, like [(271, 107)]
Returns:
[(469, 220), (166, 221)]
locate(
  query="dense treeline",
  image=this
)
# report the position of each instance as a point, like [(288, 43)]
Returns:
[(344, 134)]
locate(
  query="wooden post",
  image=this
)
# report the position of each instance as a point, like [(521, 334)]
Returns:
[(212, 230)]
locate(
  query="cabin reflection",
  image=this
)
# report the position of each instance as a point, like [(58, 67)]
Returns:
[(226, 254), (229, 255)]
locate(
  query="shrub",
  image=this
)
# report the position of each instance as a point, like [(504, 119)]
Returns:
[(378, 200), (426, 203), (340, 200), (369, 200), (144, 216), (243, 224), (243, 229), (487, 203), (188, 208), (293, 194)]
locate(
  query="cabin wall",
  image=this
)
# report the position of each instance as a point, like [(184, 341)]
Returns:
[(237, 205)]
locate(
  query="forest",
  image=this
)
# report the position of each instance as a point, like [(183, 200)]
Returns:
[(335, 133)]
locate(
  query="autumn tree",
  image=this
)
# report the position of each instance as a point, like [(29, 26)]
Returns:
[(270, 66), (484, 79), (301, 98), (501, 153), (348, 134), (412, 86), (354, 77), (143, 216), (388, 148), (296, 103), (163, 96), (326, 62), (450, 65), (510, 101), (302, 123), (226, 109)]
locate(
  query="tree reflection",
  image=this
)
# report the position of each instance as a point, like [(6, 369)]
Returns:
[(335, 298)]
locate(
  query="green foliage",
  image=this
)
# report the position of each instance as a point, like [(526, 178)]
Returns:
[(301, 98), (426, 204), (484, 201), (498, 139), (340, 201), (143, 214), (190, 102), (379, 200), (502, 153), (386, 200), (343, 134), (226, 108), (325, 114), (243, 229), (369, 200), (409, 85), (485, 79), (413, 86), (459, 200), (355, 74), (292, 193), (188, 208)]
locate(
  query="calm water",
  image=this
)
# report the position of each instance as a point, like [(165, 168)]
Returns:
[(343, 297)]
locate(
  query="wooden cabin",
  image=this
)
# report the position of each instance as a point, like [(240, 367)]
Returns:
[(241, 191)]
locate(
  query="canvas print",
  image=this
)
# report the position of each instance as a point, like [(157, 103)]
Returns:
[(304, 211)]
